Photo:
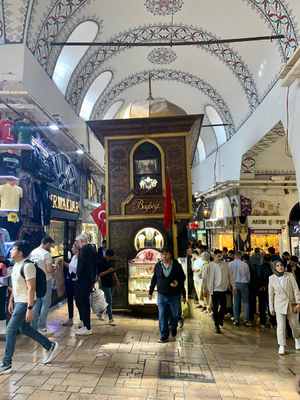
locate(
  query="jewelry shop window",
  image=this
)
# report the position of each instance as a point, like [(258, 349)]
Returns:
[(147, 166), (148, 237)]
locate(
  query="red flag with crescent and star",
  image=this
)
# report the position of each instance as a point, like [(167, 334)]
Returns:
[(99, 216)]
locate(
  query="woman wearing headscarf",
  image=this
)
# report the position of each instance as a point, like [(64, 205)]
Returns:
[(199, 268), (284, 299)]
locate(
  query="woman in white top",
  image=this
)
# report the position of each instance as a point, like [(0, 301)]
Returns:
[(70, 281), (284, 299)]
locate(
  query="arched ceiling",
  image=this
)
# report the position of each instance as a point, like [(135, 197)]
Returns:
[(234, 78)]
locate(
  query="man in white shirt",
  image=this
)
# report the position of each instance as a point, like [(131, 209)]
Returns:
[(42, 256), (21, 307), (241, 275), (216, 280)]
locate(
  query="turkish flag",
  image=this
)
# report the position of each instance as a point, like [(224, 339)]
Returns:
[(168, 217), (99, 216)]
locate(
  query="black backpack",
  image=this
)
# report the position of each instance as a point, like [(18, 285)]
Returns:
[(41, 281)]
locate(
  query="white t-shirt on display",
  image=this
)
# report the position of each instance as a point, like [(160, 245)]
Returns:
[(42, 257), (217, 278), (19, 283), (73, 265), (10, 197)]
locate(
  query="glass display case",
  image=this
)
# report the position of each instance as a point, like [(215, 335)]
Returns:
[(56, 230), (92, 233), (141, 269)]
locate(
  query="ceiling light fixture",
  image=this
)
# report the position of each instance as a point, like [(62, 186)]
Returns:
[(79, 151), (54, 127), (171, 43)]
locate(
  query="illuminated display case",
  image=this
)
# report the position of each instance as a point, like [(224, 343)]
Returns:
[(141, 269)]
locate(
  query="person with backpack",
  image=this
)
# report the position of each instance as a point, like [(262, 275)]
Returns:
[(20, 305), (42, 256)]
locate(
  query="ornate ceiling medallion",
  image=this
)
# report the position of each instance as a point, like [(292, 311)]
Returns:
[(164, 7), (162, 56)]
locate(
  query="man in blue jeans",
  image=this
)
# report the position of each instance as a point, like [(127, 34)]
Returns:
[(169, 278), (241, 275), (107, 273), (20, 305)]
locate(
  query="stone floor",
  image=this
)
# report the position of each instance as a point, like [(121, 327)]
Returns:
[(242, 363)]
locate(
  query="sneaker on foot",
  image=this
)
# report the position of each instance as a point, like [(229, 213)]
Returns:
[(46, 332), (100, 316), (163, 340), (181, 323), (50, 353), (80, 325), (217, 329), (262, 326), (83, 331), (5, 369), (111, 322), (247, 323), (204, 309), (281, 350), (297, 344), (68, 322), (236, 322), (174, 332)]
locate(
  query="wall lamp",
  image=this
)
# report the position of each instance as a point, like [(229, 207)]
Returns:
[(203, 206)]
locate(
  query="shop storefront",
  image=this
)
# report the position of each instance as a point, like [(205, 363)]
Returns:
[(89, 228), (268, 232), (220, 231), (197, 232)]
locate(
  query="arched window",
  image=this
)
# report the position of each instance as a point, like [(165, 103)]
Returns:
[(215, 119), (201, 148), (94, 92), (112, 111), (147, 166), (70, 56)]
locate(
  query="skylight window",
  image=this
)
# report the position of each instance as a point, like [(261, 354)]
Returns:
[(93, 94), (112, 111), (215, 119), (70, 56)]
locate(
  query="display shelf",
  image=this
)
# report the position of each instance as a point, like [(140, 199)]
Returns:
[(5, 178), (17, 146), (137, 277)]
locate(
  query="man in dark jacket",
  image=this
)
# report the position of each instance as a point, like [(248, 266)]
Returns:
[(85, 278), (169, 278), (264, 271)]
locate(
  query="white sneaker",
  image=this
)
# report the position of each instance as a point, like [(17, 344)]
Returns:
[(80, 325), (46, 332), (297, 344), (5, 369), (111, 322), (281, 350), (50, 353), (83, 331), (68, 322), (100, 316)]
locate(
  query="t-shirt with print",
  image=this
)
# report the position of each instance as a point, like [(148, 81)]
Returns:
[(6, 135), (10, 197), (9, 164), (25, 132), (42, 257), (19, 283)]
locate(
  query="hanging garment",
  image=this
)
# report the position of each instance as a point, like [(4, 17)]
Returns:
[(12, 228), (9, 164), (10, 197), (25, 132), (4, 237), (6, 135), (29, 198), (29, 161), (37, 209), (47, 203)]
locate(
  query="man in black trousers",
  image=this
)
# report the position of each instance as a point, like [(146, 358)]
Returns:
[(85, 278)]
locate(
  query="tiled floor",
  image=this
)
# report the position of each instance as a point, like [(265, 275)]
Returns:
[(242, 363)]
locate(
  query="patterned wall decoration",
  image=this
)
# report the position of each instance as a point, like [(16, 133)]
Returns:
[(162, 56), (87, 74), (53, 24), (119, 173), (2, 35), (167, 75), (175, 153), (249, 158), (14, 21), (279, 18), (246, 206), (164, 7)]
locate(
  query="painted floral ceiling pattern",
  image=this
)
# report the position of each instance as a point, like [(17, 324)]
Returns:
[(234, 78)]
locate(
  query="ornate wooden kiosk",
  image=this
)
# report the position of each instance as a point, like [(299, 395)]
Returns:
[(137, 154)]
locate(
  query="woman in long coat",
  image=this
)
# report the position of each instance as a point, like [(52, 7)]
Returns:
[(284, 300)]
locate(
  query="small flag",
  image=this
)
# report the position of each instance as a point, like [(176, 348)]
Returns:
[(168, 216), (99, 216)]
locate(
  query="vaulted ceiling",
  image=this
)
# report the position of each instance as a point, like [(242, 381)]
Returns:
[(233, 79)]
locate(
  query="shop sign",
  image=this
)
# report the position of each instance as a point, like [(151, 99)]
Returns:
[(267, 222), (60, 203), (145, 205), (265, 231), (219, 223)]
